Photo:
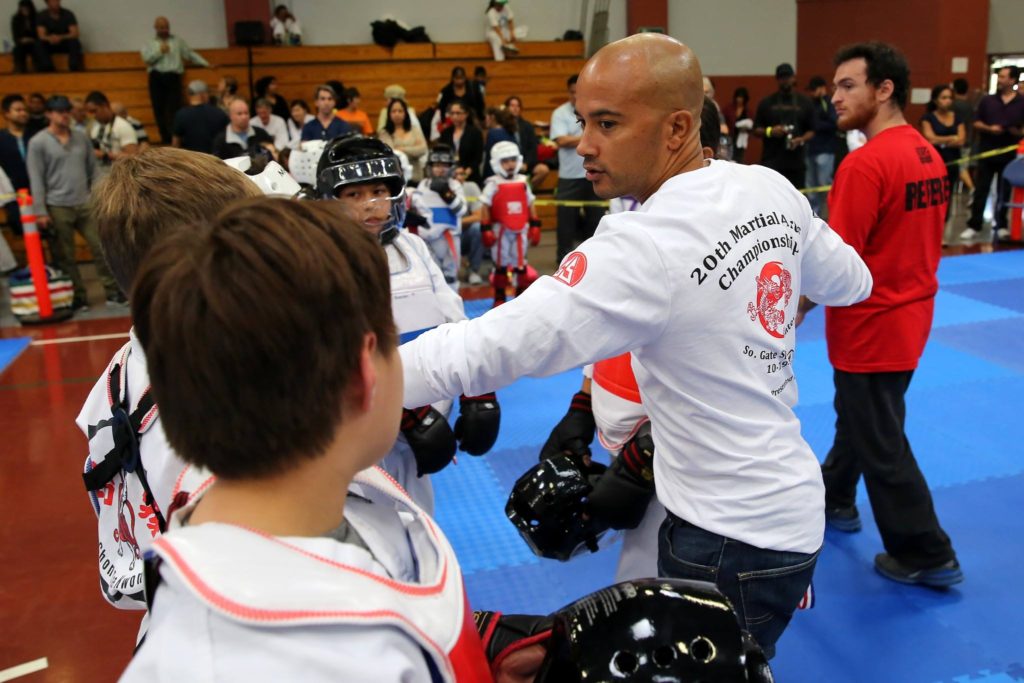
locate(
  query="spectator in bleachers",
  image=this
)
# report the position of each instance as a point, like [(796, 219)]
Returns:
[(13, 150), (501, 126), (460, 88), (284, 27), (140, 131), (57, 31), (239, 137), (24, 36), (37, 120), (526, 138), (400, 134), (271, 122), (740, 122), (501, 30), (196, 125), (325, 125), (572, 179), (61, 169), (480, 82), (299, 117), (396, 92), (351, 114), (465, 138), (227, 90), (165, 58), (266, 88), (79, 116), (112, 136)]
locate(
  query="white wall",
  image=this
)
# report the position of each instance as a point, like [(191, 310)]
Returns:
[(1006, 27), (738, 37), (332, 22)]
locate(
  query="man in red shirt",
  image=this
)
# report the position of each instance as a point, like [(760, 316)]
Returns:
[(888, 202)]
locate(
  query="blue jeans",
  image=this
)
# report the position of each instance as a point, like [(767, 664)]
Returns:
[(764, 586), (819, 172), (473, 246)]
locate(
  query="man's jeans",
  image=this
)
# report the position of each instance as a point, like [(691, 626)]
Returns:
[(819, 173), (764, 586)]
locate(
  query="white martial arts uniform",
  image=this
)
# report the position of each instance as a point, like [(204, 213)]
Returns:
[(420, 300), (443, 233), (235, 604), (127, 525), (701, 284)]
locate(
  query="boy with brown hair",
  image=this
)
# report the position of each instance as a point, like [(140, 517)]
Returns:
[(132, 475), (301, 562)]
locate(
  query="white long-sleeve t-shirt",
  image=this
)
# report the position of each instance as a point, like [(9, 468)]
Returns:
[(701, 284)]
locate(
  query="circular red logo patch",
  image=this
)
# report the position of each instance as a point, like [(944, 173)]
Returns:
[(573, 267)]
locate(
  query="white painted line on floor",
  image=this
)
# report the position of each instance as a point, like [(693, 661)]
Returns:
[(23, 669), (71, 340)]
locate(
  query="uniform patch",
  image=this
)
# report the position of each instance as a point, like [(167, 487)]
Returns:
[(573, 268), (774, 291)]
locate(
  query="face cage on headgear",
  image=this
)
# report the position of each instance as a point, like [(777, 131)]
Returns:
[(441, 158), (387, 170)]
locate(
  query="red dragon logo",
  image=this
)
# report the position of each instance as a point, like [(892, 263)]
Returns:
[(773, 294), (124, 534)]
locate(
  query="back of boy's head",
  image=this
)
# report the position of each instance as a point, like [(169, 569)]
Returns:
[(253, 325), (157, 191)]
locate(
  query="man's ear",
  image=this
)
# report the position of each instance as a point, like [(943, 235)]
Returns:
[(884, 90), (680, 123)]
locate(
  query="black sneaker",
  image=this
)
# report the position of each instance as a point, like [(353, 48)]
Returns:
[(118, 299), (943, 576), (843, 519), (79, 306)]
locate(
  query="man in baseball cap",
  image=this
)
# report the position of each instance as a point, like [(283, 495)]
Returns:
[(785, 121)]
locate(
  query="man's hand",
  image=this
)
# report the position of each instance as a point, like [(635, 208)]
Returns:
[(995, 129), (521, 666), (802, 309), (43, 222), (164, 47)]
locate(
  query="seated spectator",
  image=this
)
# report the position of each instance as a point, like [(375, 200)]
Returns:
[(24, 35), (13, 150), (395, 92), (140, 130), (79, 116), (325, 125), (400, 134), (501, 30), (459, 88), (270, 122), (465, 138), (57, 31), (227, 90), (240, 138), (266, 88), (298, 118), (284, 27), (112, 137), (353, 115), (197, 125), (526, 138), (480, 81), (501, 127), (37, 120)]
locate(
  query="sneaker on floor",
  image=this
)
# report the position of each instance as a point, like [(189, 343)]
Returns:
[(474, 279), (1003, 234), (79, 306), (943, 576), (968, 234), (118, 299), (843, 519)]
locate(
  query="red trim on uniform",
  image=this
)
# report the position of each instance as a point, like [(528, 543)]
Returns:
[(516, 646), (615, 375), (451, 246)]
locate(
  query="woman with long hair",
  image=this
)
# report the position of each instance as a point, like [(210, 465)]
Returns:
[(266, 88), (461, 88), (298, 116), (739, 118), (23, 33), (526, 137), (942, 127), (465, 138), (400, 134)]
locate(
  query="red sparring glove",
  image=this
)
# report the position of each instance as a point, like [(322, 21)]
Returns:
[(534, 233), (487, 236)]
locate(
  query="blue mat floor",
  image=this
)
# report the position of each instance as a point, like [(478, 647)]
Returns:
[(10, 348), (962, 410)]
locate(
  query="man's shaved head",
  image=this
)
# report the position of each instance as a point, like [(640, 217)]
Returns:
[(640, 100)]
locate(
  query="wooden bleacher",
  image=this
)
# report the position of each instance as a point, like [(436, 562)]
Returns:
[(537, 76)]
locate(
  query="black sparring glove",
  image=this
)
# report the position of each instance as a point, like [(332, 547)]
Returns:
[(477, 426), (430, 437), (574, 433), (414, 221), (621, 495), (504, 634), (442, 188)]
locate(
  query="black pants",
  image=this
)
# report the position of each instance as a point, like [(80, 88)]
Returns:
[(21, 53), (71, 46), (870, 414), (165, 94), (573, 228), (988, 169)]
